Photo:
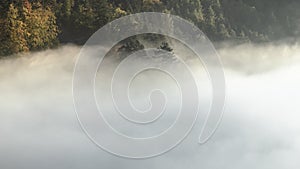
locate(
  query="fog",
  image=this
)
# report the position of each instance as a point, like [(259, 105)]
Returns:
[(260, 127)]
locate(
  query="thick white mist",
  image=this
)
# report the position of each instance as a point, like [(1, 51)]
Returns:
[(260, 128)]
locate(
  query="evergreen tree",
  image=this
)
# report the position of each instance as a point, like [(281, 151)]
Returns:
[(188, 9), (26, 28), (32, 25), (210, 21), (13, 33), (41, 29)]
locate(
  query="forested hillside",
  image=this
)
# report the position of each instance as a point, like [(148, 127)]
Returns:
[(39, 24)]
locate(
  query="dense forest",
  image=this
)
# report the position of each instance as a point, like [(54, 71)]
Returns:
[(28, 25)]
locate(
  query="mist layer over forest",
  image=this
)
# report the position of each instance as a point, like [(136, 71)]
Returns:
[(258, 43), (260, 128)]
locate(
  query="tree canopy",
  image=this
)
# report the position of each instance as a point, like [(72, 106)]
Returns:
[(39, 24)]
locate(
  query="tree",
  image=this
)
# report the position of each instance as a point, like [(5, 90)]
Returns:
[(41, 29), (13, 34), (26, 28), (67, 8), (210, 21), (189, 9)]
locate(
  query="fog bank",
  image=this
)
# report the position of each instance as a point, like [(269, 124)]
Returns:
[(260, 128)]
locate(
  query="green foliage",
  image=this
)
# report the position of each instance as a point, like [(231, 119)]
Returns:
[(165, 46), (67, 7), (27, 28), (78, 19), (131, 44), (32, 26), (188, 9), (41, 29), (13, 33)]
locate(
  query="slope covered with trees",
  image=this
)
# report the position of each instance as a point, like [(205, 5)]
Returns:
[(39, 24), (26, 26)]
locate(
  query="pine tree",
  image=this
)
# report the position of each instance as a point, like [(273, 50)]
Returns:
[(210, 22), (67, 8), (26, 28), (189, 9), (13, 33), (41, 29)]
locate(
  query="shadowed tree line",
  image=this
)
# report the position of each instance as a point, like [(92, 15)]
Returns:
[(28, 25)]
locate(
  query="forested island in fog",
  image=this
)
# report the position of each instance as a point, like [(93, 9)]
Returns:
[(29, 25)]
